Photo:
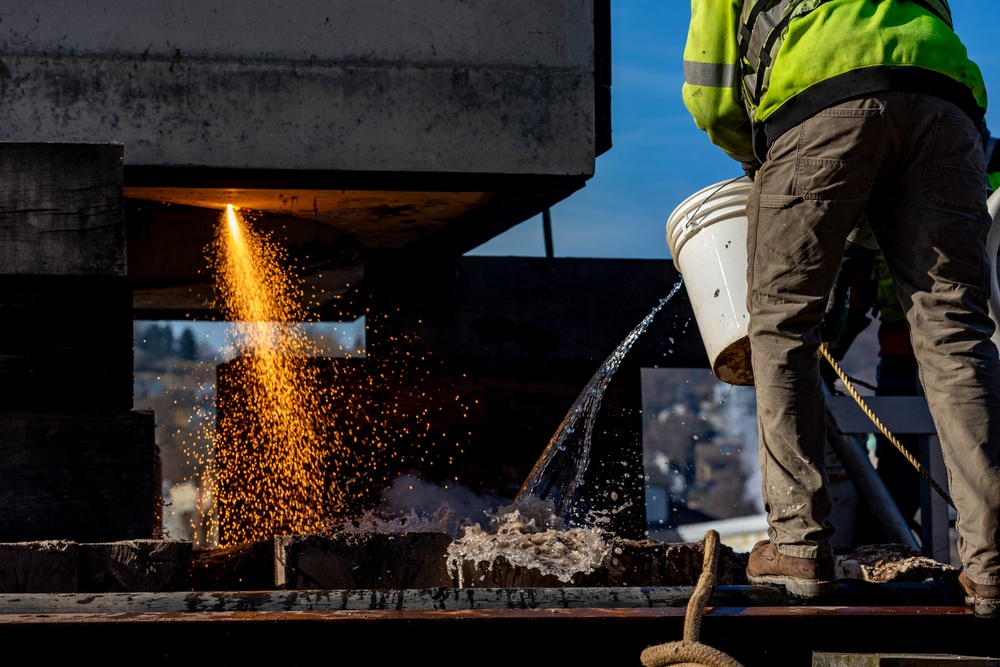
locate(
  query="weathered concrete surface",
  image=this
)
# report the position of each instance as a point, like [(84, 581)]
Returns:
[(365, 31), (400, 123), (895, 596), (358, 85)]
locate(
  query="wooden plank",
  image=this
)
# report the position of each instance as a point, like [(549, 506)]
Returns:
[(899, 660), (233, 629)]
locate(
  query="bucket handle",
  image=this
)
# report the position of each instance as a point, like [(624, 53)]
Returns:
[(689, 217)]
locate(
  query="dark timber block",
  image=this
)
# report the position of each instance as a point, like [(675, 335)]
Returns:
[(899, 660), (135, 565), (66, 342), (62, 209), (362, 560), (82, 476), (38, 567), (242, 567), (628, 563)]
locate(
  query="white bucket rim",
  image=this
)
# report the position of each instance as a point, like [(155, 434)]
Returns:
[(706, 207)]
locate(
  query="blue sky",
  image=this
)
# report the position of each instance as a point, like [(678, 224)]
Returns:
[(659, 157)]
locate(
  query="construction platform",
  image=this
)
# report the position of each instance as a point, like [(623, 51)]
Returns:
[(484, 627)]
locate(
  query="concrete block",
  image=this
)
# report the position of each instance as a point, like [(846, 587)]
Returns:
[(357, 85), (362, 560), (135, 565), (38, 567)]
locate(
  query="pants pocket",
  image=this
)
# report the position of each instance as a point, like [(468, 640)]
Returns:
[(954, 176), (837, 153)]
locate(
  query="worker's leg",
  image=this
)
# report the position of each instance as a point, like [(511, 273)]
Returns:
[(934, 242), (810, 191)]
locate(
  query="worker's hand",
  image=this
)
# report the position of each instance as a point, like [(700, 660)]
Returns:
[(835, 320), (751, 168), (855, 271)]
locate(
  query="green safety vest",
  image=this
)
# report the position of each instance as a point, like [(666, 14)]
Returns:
[(762, 29), (734, 94)]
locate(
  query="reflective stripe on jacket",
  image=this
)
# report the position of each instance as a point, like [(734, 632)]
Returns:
[(712, 77)]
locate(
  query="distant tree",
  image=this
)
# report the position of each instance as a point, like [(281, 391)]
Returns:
[(167, 345), (143, 339), (157, 340), (187, 346)]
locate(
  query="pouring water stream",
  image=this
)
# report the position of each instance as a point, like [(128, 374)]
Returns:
[(558, 473)]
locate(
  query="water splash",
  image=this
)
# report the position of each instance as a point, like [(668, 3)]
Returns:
[(558, 473), (528, 535)]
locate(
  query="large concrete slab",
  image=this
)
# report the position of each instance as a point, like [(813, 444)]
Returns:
[(384, 85), (398, 123)]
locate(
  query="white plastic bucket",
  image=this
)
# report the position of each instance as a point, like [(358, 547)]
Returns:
[(707, 237)]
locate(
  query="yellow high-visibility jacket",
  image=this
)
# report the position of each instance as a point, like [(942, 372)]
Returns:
[(830, 51)]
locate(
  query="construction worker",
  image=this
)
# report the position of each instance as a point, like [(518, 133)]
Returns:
[(836, 108), (864, 286)]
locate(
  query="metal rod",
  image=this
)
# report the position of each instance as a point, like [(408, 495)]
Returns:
[(547, 230), (870, 486)]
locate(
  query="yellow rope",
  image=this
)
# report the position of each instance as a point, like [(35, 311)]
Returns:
[(885, 431), (690, 652)]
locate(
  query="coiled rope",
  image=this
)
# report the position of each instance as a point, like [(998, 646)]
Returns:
[(878, 423), (690, 652)]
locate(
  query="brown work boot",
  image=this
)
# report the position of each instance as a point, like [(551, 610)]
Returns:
[(802, 577), (983, 598)]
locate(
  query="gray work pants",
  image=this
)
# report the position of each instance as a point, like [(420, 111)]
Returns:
[(914, 164)]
